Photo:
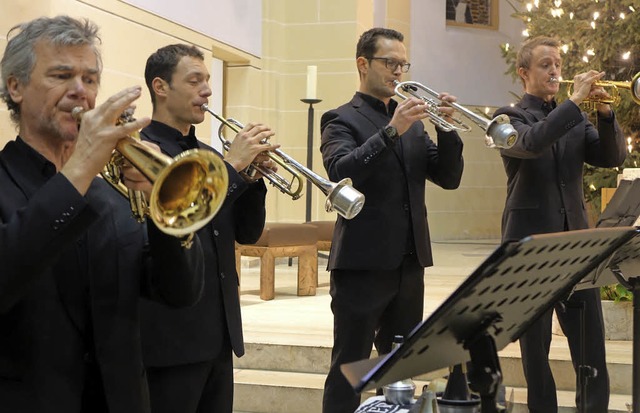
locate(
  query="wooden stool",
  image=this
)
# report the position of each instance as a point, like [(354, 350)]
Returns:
[(325, 233), (284, 240)]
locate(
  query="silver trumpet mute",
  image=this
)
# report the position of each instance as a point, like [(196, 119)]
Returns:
[(499, 133)]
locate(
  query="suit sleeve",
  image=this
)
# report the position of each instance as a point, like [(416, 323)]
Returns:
[(605, 145), (247, 200), (32, 238), (342, 156), (174, 274), (445, 166), (534, 137)]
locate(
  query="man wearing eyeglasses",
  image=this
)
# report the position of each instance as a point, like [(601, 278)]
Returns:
[(377, 259)]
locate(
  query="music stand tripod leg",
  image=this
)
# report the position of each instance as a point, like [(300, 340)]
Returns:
[(485, 375)]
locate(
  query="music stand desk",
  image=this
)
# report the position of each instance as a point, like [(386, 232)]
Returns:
[(516, 284)]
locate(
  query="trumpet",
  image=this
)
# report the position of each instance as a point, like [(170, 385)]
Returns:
[(499, 133), (187, 190), (633, 86), (342, 197)]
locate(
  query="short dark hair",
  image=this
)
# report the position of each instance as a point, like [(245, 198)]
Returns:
[(163, 64), (20, 57), (368, 43)]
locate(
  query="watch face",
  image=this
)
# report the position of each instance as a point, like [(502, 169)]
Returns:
[(391, 131)]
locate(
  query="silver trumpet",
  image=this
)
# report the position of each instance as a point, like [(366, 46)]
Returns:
[(342, 197), (499, 133)]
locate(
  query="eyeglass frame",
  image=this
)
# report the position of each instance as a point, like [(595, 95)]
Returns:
[(404, 67)]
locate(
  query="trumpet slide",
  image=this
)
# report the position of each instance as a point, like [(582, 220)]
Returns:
[(342, 197), (499, 133), (187, 191)]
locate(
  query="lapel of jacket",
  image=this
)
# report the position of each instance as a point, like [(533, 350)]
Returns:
[(26, 177), (377, 120), (535, 114), (105, 267)]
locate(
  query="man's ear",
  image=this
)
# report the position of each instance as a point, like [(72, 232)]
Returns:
[(14, 88), (523, 73), (159, 86), (362, 64)]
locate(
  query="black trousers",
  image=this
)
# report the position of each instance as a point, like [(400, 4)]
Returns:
[(204, 387), (534, 347), (369, 307)]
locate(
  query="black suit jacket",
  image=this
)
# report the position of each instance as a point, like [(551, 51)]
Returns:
[(180, 336), (544, 168), (392, 176), (45, 341)]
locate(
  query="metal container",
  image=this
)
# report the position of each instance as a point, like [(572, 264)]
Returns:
[(400, 392)]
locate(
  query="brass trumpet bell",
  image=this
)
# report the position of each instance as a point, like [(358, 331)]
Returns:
[(187, 190)]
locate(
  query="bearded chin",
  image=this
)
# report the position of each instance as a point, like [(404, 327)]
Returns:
[(65, 132)]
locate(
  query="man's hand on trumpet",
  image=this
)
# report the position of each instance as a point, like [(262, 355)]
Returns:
[(584, 86), (98, 135), (413, 109), (446, 110), (264, 161), (251, 141)]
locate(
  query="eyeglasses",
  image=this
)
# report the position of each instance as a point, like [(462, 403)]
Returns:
[(392, 64)]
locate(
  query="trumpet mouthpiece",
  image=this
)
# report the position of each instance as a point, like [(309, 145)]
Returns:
[(77, 112), (554, 80), (204, 107)]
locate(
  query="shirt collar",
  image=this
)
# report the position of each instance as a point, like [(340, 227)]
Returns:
[(188, 141), (379, 105), (538, 103)]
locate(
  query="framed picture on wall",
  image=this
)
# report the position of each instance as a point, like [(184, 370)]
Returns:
[(481, 14)]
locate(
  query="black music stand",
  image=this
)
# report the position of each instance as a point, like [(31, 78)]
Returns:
[(623, 210), (492, 308)]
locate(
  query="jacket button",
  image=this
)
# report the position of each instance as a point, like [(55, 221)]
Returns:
[(221, 275), (215, 232), (562, 210)]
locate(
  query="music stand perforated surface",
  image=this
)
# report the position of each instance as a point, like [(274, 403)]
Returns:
[(516, 284), (623, 210)]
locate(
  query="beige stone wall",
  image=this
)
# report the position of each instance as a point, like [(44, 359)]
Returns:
[(268, 89)]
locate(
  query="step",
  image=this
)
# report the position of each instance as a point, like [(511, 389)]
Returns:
[(262, 391), (315, 359)]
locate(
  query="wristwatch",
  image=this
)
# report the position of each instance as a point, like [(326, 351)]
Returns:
[(391, 132)]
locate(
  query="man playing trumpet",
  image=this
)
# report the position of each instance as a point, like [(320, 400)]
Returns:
[(188, 352), (377, 259), (544, 195), (72, 259)]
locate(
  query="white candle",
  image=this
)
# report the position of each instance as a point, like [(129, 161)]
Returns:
[(312, 79)]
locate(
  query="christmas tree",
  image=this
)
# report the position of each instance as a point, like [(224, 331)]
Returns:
[(602, 35)]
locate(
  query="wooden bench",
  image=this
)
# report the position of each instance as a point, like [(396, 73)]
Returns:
[(284, 240), (325, 233)]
